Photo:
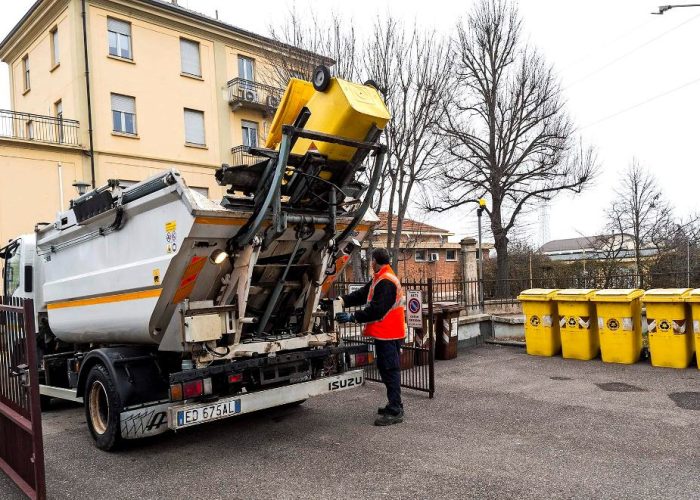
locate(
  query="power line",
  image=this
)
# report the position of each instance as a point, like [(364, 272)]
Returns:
[(606, 45), (626, 54), (630, 108)]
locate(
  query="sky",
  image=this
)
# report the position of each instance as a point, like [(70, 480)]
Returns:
[(631, 81)]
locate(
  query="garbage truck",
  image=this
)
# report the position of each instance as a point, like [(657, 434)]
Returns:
[(160, 309)]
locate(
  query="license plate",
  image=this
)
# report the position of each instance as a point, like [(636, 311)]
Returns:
[(206, 413)]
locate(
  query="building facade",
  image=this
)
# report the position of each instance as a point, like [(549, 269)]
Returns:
[(123, 89)]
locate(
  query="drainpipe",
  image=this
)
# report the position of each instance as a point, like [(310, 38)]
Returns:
[(87, 88)]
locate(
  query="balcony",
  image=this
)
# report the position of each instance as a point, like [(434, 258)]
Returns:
[(39, 128), (252, 95)]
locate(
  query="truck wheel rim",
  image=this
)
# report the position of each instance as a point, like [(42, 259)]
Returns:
[(99, 408)]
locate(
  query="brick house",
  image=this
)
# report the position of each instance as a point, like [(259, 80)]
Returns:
[(426, 251)]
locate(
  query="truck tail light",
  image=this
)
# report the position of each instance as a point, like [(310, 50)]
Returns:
[(361, 359), (234, 378), (176, 392), (193, 388)]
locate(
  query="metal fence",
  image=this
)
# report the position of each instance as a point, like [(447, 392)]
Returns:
[(21, 444), (39, 128), (417, 352)]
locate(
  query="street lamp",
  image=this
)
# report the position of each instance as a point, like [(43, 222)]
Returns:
[(664, 8), (479, 211), (81, 187)]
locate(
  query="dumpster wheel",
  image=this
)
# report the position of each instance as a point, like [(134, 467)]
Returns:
[(322, 78)]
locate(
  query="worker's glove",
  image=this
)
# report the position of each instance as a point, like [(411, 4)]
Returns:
[(345, 317), (326, 304)]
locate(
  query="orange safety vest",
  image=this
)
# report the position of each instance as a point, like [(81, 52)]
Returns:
[(393, 325)]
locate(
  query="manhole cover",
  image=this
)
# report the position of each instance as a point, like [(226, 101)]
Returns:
[(620, 387), (561, 378), (686, 400)]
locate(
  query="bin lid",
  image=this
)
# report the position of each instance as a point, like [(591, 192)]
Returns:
[(537, 294), (575, 294), (693, 296), (666, 295), (617, 295)]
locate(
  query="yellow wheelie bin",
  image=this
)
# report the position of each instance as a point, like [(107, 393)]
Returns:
[(578, 327), (619, 313), (694, 299), (541, 325), (669, 326)]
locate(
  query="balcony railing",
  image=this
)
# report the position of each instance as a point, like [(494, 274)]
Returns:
[(246, 93), (39, 128)]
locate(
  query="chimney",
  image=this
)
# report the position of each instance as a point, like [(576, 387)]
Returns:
[(174, 2)]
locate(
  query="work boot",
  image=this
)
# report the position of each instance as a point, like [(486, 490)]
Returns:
[(383, 410), (389, 418)]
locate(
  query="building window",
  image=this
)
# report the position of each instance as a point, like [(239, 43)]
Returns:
[(123, 114), (25, 72), (420, 255), (246, 68), (55, 55), (250, 134), (189, 58), (451, 255), (58, 111), (194, 127), (119, 33)]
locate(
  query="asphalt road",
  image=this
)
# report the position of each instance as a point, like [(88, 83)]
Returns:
[(502, 425)]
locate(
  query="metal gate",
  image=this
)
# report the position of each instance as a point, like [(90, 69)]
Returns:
[(21, 444), (418, 351)]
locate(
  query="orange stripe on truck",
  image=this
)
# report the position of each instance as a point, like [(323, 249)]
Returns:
[(236, 221), (107, 299)]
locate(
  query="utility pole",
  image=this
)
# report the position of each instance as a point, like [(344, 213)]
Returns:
[(479, 211)]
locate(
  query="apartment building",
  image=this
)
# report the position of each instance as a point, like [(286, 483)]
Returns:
[(122, 89)]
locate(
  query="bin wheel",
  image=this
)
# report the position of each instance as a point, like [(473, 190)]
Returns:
[(102, 408), (373, 84), (322, 78)]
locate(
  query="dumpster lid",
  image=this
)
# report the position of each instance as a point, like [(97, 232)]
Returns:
[(617, 294), (693, 296), (575, 294), (665, 294), (538, 294)]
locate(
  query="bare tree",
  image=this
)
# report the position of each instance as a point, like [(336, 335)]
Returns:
[(508, 135), (304, 42), (412, 69), (640, 210)]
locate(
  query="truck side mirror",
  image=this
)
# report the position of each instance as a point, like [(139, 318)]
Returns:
[(28, 279)]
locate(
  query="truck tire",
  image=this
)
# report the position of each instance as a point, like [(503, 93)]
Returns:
[(102, 408)]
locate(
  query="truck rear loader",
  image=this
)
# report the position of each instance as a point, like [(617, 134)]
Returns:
[(161, 309)]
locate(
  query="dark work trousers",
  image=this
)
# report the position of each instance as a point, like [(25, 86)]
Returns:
[(389, 366)]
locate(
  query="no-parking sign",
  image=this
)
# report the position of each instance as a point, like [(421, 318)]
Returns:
[(414, 309)]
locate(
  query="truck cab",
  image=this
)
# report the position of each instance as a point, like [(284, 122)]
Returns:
[(18, 267)]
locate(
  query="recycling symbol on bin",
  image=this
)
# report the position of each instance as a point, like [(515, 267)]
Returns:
[(664, 325), (534, 321), (613, 324), (572, 322)]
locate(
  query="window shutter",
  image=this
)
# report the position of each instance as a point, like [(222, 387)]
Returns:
[(123, 103), (189, 55), (118, 26), (56, 53), (194, 127)]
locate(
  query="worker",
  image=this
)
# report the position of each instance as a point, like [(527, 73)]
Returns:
[(385, 321)]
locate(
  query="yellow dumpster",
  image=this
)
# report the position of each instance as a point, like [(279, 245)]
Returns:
[(541, 325), (669, 326), (344, 109), (578, 326), (694, 299), (619, 313)]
